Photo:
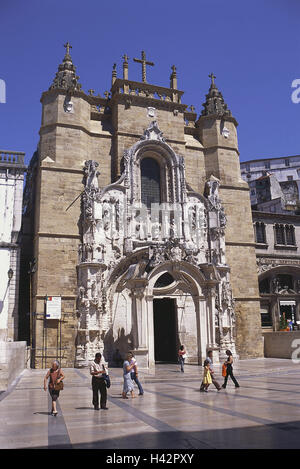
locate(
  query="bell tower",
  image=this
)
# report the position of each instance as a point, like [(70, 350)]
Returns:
[(218, 134)]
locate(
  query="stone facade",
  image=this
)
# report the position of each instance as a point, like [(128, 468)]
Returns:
[(104, 261)]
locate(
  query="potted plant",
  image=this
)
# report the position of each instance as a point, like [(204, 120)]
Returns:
[(283, 324)]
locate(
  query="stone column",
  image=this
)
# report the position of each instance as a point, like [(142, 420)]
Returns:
[(210, 294), (273, 307), (203, 329), (139, 313), (150, 320)]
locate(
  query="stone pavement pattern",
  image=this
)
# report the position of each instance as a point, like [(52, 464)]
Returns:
[(263, 413)]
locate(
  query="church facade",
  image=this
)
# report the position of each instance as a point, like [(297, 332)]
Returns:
[(141, 225)]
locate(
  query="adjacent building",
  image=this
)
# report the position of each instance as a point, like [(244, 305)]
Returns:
[(12, 169), (274, 189), (274, 183), (12, 351)]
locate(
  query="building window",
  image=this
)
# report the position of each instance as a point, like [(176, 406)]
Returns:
[(285, 235), (260, 232), (290, 178), (164, 280), (266, 317), (287, 162), (290, 235), (279, 234), (150, 182), (267, 165)]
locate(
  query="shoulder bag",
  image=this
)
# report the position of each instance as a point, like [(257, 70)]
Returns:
[(58, 386)]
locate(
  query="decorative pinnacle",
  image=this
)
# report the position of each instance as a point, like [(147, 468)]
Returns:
[(215, 104), (66, 77), (192, 108), (173, 78), (106, 94), (212, 77), (91, 92), (126, 58), (144, 62), (114, 74)]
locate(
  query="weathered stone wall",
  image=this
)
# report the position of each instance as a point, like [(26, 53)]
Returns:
[(280, 344), (12, 362)]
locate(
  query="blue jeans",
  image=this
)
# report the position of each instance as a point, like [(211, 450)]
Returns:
[(136, 380), (181, 361)]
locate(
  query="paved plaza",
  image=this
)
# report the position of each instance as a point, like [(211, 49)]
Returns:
[(263, 413)]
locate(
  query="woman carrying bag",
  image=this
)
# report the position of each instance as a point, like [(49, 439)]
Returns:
[(55, 385), (229, 371)]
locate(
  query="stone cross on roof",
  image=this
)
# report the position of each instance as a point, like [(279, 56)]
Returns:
[(144, 62), (68, 47)]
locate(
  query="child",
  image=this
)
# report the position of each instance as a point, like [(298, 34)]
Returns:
[(206, 376)]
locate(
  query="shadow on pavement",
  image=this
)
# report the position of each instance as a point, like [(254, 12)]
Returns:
[(279, 436)]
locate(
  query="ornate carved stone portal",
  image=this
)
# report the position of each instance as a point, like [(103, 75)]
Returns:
[(126, 248)]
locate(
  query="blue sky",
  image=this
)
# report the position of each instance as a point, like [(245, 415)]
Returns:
[(253, 48)]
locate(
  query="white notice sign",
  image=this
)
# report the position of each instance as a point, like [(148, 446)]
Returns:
[(53, 307)]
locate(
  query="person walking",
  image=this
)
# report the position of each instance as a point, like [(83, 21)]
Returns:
[(229, 371), (206, 376), (55, 376), (181, 357), (212, 373), (134, 375), (128, 386), (98, 369)]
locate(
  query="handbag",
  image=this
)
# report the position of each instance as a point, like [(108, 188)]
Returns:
[(107, 380), (224, 370), (58, 386)]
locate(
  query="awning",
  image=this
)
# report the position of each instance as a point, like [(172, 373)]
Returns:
[(287, 303)]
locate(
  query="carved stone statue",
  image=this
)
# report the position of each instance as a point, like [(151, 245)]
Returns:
[(91, 174), (213, 192)]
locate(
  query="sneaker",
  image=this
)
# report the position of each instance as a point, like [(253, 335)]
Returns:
[(96, 408)]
